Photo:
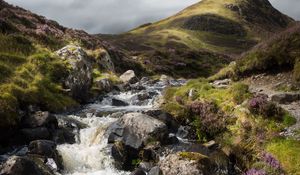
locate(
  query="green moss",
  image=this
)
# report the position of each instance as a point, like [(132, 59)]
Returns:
[(288, 153), (289, 120), (192, 156)]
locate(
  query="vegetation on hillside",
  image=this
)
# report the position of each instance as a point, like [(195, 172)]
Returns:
[(279, 53), (248, 125), (30, 75)]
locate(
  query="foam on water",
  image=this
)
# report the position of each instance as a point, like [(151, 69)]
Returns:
[(90, 155)]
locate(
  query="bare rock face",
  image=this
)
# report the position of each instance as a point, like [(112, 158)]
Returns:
[(79, 80), (129, 77)]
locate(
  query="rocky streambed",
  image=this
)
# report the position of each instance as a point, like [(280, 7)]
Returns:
[(123, 132)]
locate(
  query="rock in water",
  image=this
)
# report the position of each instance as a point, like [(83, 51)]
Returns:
[(79, 80), (24, 166), (45, 148), (130, 133), (117, 102), (129, 77)]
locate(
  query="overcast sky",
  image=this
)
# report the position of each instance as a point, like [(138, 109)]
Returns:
[(115, 16)]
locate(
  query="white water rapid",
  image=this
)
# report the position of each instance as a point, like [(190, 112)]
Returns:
[(90, 155)]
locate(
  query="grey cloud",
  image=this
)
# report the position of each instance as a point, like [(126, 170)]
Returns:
[(115, 16)]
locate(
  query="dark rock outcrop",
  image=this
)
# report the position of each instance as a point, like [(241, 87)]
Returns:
[(47, 149)]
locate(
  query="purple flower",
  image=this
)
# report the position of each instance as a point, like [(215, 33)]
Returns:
[(270, 160), (255, 172)]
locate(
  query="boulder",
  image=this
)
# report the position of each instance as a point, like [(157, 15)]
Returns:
[(40, 133), (79, 80), (146, 166), (63, 135), (24, 166), (155, 171), (47, 149), (129, 77), (138, 171), (185, 163), (139, 129), (166, 118), (117, 102), (221, 83), (165, 79), (40, 119), (104, 84), (285, 98), (130, 134), (123, 156)]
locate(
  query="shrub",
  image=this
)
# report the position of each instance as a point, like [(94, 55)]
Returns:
[(15, 44), (209, 120), (240, 92), (296, 74), (261, 106)]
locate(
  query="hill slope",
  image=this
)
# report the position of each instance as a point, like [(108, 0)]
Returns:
[(226, 27), (32, 73), (279, 53)]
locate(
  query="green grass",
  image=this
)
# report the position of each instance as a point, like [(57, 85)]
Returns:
[(289, 120), (296, 73), (288, 153), (15, 44), (31, 80)]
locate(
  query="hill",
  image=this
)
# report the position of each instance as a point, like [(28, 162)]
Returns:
[(279, 53), (227, 27)]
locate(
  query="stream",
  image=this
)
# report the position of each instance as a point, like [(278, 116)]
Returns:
[(90, 155)]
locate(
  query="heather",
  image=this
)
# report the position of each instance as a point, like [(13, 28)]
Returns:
[(234, 117)]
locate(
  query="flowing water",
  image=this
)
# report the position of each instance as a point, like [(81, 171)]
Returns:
[(90, 155)]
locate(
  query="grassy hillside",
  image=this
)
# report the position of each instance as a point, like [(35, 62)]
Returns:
[(225, 27), (31, 74), (279, 53)]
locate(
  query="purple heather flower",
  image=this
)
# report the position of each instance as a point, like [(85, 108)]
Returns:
[(270, 160), (255, 172)]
